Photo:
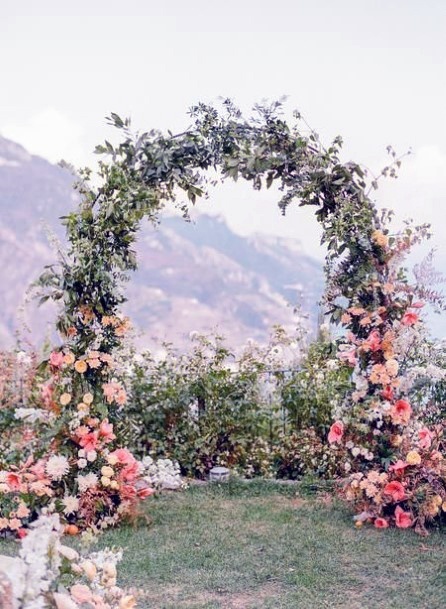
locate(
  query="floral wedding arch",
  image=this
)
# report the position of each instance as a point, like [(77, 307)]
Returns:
[(395, 465)]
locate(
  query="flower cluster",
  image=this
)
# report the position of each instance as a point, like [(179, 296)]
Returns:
[(43, 561), (398, 477)]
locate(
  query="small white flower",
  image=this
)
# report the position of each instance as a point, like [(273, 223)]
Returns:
[(92, 456)]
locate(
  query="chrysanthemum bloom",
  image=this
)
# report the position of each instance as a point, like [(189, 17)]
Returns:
[(71, 504), (381, 523), (401, 412), (396, 490), (57, 467), (409, 318), (425, 438), (413, 458), (336, 432), (403, 520), (80, 366)]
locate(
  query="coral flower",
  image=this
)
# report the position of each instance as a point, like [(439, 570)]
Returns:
[(403, 520), (336, 432), (396, 490), (424, 438), (387, 393), (13, 481), (400, 412), (89, 441), (381, 523), (373, 342), (409, 318)]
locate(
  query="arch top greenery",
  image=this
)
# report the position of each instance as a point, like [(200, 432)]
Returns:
[(147, 171)]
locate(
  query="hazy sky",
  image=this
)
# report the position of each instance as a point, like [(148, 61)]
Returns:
[(373, 71)]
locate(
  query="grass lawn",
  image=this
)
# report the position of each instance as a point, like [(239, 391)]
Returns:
[(260, 545)]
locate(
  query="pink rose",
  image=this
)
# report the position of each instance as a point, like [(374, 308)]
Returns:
[(56, 359), (425, 438), (336, 432)]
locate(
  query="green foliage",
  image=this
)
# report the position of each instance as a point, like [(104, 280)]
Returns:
[(317, 389)]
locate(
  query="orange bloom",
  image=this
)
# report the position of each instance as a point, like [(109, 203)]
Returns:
[(401, 412), (403, 520), (396, 490)]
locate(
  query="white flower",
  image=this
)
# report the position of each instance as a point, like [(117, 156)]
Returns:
[(57, 467), (81, 463), (87, 482), (71, 504), (92, 455)]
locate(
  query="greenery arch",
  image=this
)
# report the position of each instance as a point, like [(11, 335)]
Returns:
[(145, 172)]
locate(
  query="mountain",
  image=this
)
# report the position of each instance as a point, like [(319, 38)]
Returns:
[(196, 276)]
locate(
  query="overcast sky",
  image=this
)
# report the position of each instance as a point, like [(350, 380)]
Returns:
[(372, 71)]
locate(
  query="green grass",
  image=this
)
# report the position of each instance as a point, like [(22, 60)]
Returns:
[(260, 546)]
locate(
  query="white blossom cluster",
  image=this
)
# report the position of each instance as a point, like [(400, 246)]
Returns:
[(162, 474)]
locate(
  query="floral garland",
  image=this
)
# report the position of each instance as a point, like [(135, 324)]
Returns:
[(397, 463)]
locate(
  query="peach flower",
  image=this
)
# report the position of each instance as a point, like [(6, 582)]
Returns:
[(81, 593), (80, 366)]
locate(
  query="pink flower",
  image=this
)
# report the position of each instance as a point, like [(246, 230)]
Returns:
[(399, 466), (56, 359), (396, 490), (417, 305), (348, 356), (124, 456), (336, 432), (403, 520), (106, 431), (373, 342), (400, 412), (13, 481), (381, 523), (89, 441), (409, 318), (387, 393), (425, 438)]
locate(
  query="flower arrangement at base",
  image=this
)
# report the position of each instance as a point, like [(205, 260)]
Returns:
[(50, 575), (68, 456)]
